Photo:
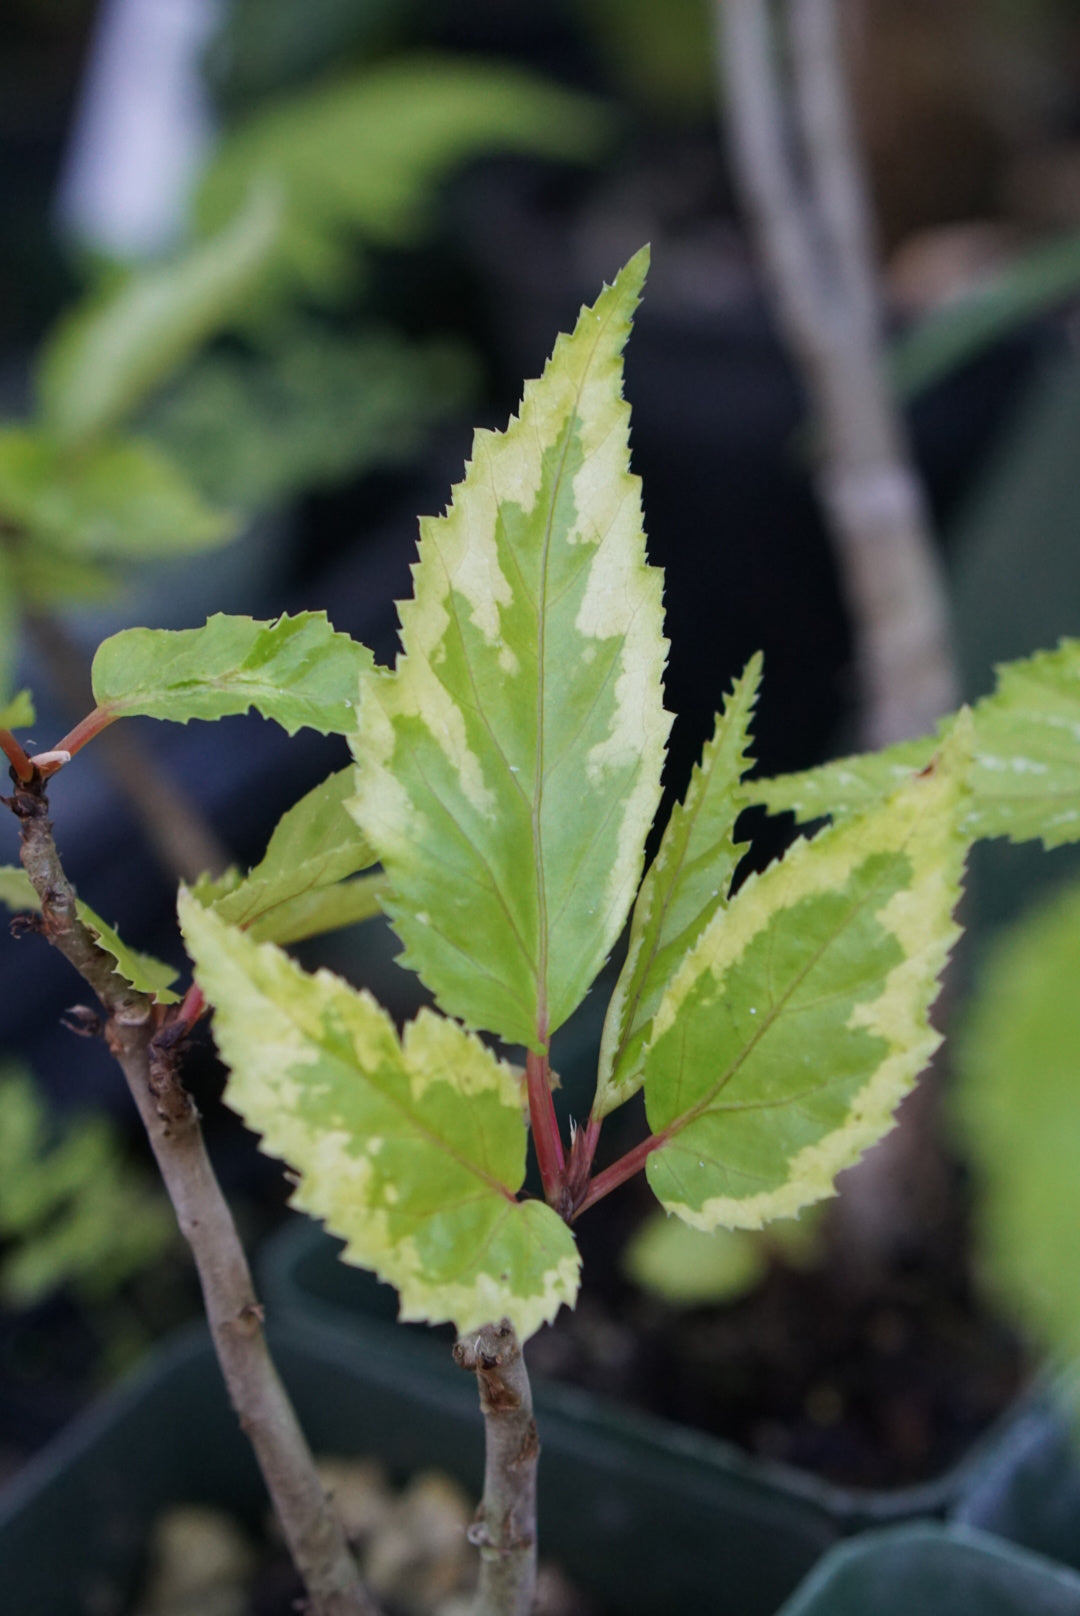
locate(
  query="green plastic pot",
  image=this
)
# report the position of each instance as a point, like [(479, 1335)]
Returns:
[(642, 1532), (303, 1280), (1029, 1489), (931, 1570)]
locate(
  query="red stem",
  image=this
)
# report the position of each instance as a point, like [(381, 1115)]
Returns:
[(85, 730), (16, 756), (620, 1171), (545, 1128)]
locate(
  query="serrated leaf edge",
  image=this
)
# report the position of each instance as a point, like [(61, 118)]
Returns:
[(616, 1038), (913, 920)]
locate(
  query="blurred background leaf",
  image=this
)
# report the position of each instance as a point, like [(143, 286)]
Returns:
[(1018, 1119), (113, 349), (362, 159), (73, 1211), (319, 406)]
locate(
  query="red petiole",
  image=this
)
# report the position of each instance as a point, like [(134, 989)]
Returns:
[(619, 1172), (85, 730), (545, 1128), (15, 755)]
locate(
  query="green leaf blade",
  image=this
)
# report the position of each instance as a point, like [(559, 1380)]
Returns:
[(314, 845), (682, 890), (322, 910), (799, 1021), (1025, 774), (412, 1150), (107, 356), (296, 670), (530, 681)]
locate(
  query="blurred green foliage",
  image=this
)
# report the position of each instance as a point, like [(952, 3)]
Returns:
[(660, 56), (74, 1212), (1017, 1110), (1039, 280), (319, 406), (687, 1268), (359, 160)]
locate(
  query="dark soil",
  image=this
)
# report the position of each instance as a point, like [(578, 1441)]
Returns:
[(879, 1381)]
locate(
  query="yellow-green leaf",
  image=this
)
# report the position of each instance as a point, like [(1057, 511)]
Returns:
[(411, 1149), (685, 885), (1025, 773), (324, 909), (800, 1019), (508, 769), (296, 670), (17, 890), (315, 845), (18, 713), (141, 971)]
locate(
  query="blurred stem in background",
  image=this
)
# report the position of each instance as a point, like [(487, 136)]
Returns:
[(796, 160), (797, 163)]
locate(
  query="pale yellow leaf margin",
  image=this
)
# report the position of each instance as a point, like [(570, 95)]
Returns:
[(923, 819)]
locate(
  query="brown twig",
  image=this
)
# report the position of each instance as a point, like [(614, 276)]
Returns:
[(184, 843), (505, 1527), (796, 159), (149, 1062)]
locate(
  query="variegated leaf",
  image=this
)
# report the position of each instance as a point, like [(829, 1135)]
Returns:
[(800, 1019), (412, 1150), (686, 884), (296, 670), (508, 769), (143, 972), (1025, 774)]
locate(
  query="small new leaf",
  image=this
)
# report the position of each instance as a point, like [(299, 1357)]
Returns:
[(685, 885), (141, 971), (800, 1019), (1025, 774), (508, 769), (296, 670), (412, 1149), (312, 914), (300, 889)]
